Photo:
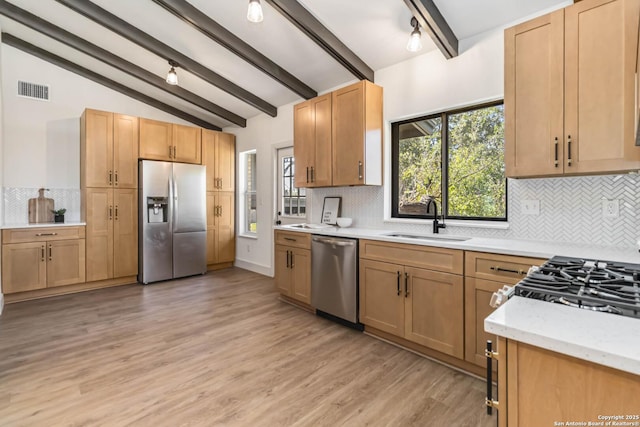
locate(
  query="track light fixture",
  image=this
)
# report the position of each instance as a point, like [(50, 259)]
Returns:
[(414, 43), (254, 12), (172, 76)]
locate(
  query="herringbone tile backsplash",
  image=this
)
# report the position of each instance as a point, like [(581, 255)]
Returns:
[(570, 210), (16, 203)]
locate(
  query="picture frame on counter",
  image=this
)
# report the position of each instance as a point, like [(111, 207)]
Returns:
[(331, 210)]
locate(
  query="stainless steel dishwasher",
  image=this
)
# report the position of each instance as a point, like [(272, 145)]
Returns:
[(334, 278)]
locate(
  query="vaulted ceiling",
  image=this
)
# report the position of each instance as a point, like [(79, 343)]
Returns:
[(229, 68)]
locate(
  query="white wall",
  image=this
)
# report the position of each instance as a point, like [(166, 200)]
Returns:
[(41, 140)]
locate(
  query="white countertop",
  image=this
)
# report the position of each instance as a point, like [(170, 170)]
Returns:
[(43, 224), (529, 248), (607, 339)]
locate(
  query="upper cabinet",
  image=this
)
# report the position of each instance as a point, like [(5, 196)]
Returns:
[(219, 155), (312, 142), (109, 150), (338, 138), (570, 91), (169, 142)]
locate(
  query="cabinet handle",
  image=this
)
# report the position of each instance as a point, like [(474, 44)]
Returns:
[(359, 169), (556, 151), (291, 239), (219, 210), (307, 174), (569, 150), (116, 212), (49, 252), (398, 284), (220, 185), (292, 260), (110, 177), (508, 270), (490, 355), (313, 178), (46, 234), (287, 259), (116, 176), (170, 151), (110, 212), (406, 285), (42, 252)]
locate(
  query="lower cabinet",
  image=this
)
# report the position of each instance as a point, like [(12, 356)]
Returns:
[(545, 388), (221, 238), (293, 265), (421, 305), (52, 257)]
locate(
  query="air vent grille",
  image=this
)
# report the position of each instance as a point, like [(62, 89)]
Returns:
[(33, 90)]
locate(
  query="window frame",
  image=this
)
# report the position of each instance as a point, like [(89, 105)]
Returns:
[(283, 153), (444, 165), (245, 192)]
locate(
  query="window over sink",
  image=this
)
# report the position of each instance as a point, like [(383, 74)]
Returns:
[(454, 157)]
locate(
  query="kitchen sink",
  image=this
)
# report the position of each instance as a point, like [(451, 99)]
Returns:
[(430, 238)]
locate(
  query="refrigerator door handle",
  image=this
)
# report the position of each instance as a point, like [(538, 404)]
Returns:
[(174, 188)]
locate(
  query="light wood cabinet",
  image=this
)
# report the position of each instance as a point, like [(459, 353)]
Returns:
[(170, 142), (542, 388), (485, 273), (219, 156), (420, 305), (357, 134), (112, 233), (109, 150), (312, 142), (570, 91), (338, 138), (293, 266), (54, 257), (220, 227)]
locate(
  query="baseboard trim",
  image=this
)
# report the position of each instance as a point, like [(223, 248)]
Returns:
[(70, 289), (265, 270)]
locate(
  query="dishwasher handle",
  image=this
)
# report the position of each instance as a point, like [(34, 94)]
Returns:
[(335, 242)]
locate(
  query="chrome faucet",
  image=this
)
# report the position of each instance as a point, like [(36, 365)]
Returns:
[(436, 225)]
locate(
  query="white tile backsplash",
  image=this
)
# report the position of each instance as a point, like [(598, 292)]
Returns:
[(570, 210), (16, 203)]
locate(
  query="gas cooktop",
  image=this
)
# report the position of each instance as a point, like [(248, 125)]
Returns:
[(604, 286)]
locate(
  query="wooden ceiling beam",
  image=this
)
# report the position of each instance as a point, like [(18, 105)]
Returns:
[(27, 47), (133, 34), (432, 21), (210, 28), (44, 27), (309, 25)]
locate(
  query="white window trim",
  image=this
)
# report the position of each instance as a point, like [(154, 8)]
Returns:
[(243, 191)]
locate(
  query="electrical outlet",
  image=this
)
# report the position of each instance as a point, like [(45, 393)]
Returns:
[(530, 207), (248, 249), (610, 208)]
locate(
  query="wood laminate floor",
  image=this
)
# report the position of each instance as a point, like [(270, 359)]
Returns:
[(213, 350)]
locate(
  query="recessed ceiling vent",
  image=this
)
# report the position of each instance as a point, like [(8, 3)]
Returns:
[(33, 91)]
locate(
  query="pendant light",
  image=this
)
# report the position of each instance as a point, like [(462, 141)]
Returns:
[(414, 43), (254, 12), (172, 76)]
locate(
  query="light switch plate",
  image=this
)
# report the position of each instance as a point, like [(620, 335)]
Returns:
[(530, 207), (610, 208)]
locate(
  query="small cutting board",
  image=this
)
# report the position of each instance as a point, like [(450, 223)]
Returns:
[(40, 208)]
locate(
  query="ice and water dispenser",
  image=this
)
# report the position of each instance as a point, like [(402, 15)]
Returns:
[(157, 209)]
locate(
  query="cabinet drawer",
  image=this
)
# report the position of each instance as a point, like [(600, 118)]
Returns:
[(501, 268), (291, 238), (429, 257), (41, 234)]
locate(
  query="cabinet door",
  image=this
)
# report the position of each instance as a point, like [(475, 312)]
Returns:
[(601, 46), (301, 274), (24, 267), (225, 227), (156, 140), (226, 161), (476, 308), (99, 235), (283, 269), (434, 311), (125, 232), (348, 135), (125, 151), (97, 148), (303, 142), (320, 173), (211, 228), (187, 144), (65, 262), (381, 296), (209, 139), (533, 97)]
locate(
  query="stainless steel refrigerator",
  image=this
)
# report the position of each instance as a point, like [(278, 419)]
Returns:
[(172, 220)]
